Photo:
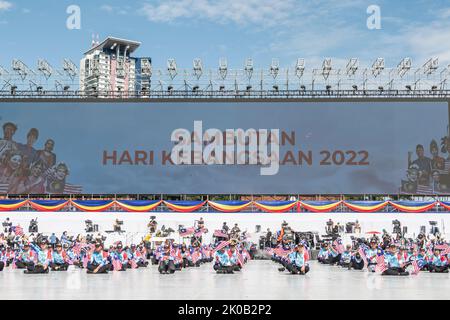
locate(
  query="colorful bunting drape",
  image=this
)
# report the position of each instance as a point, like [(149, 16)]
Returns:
[(320, 206), (365, 206), (229, 206), (275, 206), (413, 206), (138, 205), (92, 205), (48, 205), (222, 206), (11, 204), (184, 206), (445, 205)]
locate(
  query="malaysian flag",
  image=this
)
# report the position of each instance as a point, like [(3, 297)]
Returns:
[(446, 251), (133, 264), (446, 169), (185, 232), (269, 251), (381, 264), (221, 245), (220, 234), (77, 249), (363, 255), (85, 261), (441, 246), (416, 267), (195, 256), (280, 251), (306, 255), (18, 230), (339, 246), (117, 265), (72, 189), (423, 189), (240, 259), (4, 187), (199, 232)]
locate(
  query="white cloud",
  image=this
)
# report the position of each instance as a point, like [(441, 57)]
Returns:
[(5, 5), (106, 8), (259, 12), (113, 9)]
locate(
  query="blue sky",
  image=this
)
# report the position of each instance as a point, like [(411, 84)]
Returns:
[(236, 29)]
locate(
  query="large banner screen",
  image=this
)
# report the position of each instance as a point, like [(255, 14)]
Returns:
[(225, 148)]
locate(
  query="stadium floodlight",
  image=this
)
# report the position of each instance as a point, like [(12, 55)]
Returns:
[(70, 68), (45, 68), (444, 77), (352, 66), (326, 68), (223, 68), (198, 68), (3, 71), (146, 67), (378, 67), (21, 68), (430, 66), (300, 67), (274, 67), (172, 68), (248, 68), (403, 67)]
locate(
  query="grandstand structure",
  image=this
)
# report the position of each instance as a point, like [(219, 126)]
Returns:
[(108, 70)]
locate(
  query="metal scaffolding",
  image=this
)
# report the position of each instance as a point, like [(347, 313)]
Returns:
[(404, 80)]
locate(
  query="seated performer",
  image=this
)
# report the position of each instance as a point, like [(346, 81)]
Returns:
[(59, 260), (222, 262), (2, 257), (322, 257), (394, 267), (333, 255), (297, 262), (346, 257), (136, 255), (438, 263), (232, 254), (166, 261), (422, 259), (98, 262), (119, 258), (371, 254), (43, 258), (26, 257), (356, 262), (186, 256)]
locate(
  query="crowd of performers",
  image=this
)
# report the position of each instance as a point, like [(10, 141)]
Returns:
[(38, 254), (388, 256), (385, 255)]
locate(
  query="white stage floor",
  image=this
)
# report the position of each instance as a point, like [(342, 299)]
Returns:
[(259, 280)]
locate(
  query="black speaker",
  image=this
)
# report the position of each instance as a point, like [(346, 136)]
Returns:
[(423, 229)]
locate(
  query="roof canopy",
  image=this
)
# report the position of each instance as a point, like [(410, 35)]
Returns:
[(110, 41)]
